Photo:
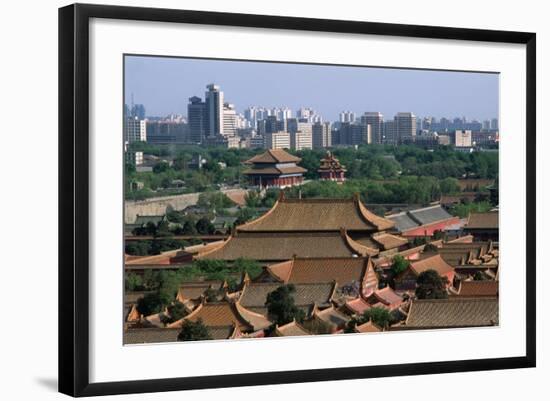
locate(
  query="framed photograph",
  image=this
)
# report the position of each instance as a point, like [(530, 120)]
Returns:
[(252, 199)]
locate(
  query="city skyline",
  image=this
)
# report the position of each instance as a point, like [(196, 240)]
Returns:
[(164, 85)]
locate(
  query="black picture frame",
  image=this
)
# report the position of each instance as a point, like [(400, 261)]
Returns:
[(74, 198)]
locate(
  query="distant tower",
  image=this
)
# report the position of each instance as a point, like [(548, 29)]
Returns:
[(331, 169), (214, 110)]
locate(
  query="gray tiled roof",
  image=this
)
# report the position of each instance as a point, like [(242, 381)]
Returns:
[(430, 214), (403, 221), (419, 217)]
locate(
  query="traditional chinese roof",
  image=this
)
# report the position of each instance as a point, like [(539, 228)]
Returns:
[(194, 290), (319, 270), (388, 241), (284, 246), (478, 288), (224, 313), (388, 297), (272, 156), (281, 170), (419, 217), (460, 253), (433, 262), (453, 312), (330, 163), (477, 221), (368, 327), (291, 329), (254, 295), (357, 306), (305, 215), (332, 316)]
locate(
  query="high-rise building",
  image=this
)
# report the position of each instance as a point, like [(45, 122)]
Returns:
[(166, 131), (376, 122), (390, 134), (301, 140), (494, 124), (229, 120), (486, 125), (277, 140), (405, 126), (135, 130), (196, 116), (301, 134), (347, 116), (214, 110), (321, 135)]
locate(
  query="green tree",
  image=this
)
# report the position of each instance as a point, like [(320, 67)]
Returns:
[(161, 167), (280, 305), (204, 226), (430, 285), (149, 304), (194, 331), (449, 185), (399, 265), (379, 316), (176, 311), (133, 282)]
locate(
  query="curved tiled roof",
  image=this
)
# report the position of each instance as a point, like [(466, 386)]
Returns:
[(317, 270), (291, 329), (225, 313), (317, 215), (453, 312), (285, 246), (434, 262), (488, 220), (478, 288), (255, 295), (274, 156), (368, 327), (275, 170)]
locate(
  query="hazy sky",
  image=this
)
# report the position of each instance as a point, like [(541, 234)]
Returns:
[(164, 86)]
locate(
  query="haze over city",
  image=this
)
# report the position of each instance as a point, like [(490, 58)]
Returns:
[(164, 85)]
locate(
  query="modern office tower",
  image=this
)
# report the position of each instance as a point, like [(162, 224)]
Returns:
[(135, 130), (494, 124), (405, 126), (301, 134), (321, 135), (390, 134), (167, 131), (229, 120), (427, 124), (361, 134), (196, 117), (284, 114), (376, 122), (347, 116), (277, 140), (306, 114), (214, 110), (272, 124), (486, 125), (462, 139), (301, 140)]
